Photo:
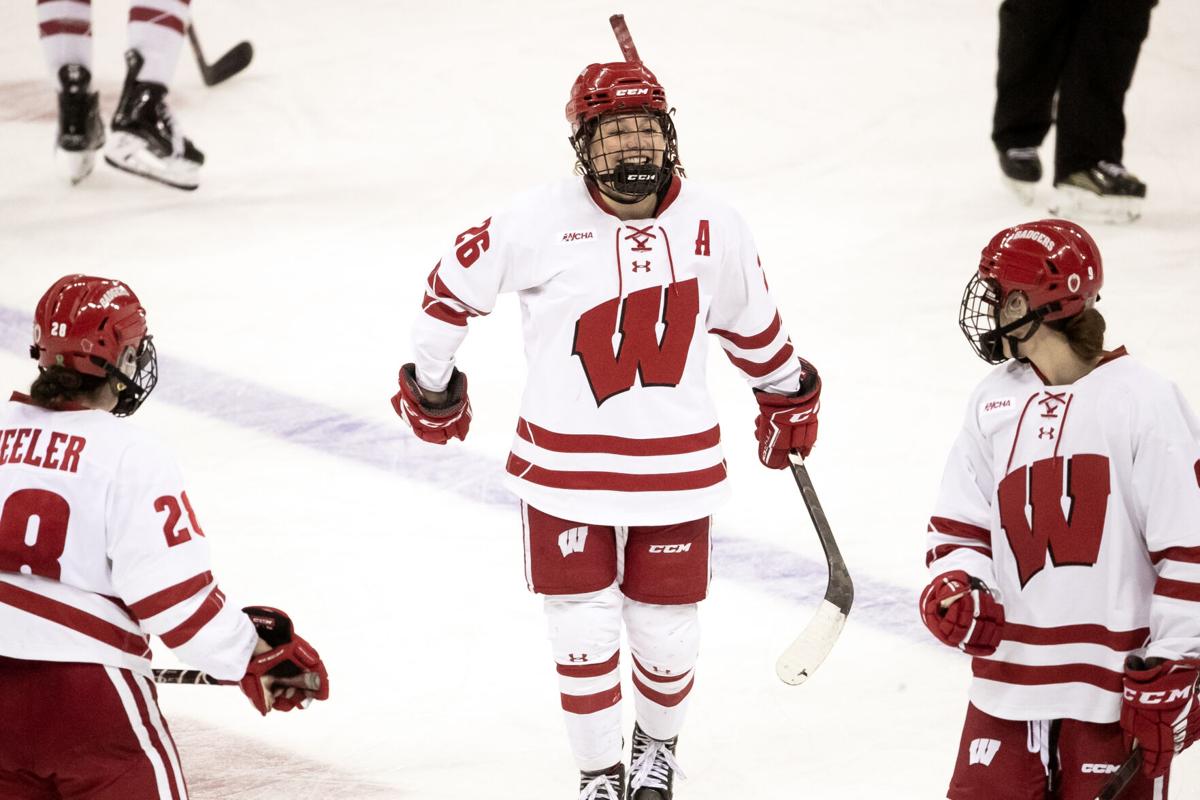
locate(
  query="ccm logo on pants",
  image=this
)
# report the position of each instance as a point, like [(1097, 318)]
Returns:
[(670, 548)]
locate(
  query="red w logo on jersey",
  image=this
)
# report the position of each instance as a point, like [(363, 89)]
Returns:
[(640, 354), (1071, 538)]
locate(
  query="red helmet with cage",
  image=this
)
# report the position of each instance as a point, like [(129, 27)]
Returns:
[(613, 87), (97, 326), (1053, 262)]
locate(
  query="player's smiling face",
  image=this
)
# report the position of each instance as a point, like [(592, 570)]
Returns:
[(631, 137)]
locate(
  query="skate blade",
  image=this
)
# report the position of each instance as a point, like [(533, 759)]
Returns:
[(131, 154), (1080, 204), (75, 164), (1024, 190)]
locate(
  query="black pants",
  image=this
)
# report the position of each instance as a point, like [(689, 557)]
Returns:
[(1086, 51)]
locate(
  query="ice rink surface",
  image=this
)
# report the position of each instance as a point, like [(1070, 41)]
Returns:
[(854, 138)]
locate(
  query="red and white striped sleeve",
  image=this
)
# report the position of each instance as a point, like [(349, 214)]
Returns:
[(959, 534), (745, 319), (1166, 478), (476, 269), (162, 570)]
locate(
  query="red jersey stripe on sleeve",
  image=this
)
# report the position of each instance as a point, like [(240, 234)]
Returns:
[(440, 311), (953, 527), (183, 633), (439, 290), (617, 445), (1179, 590), (756, 369), (943, 550), (761, 339), (1188, 555), (76, 619), (1026, 675), (171, 596)]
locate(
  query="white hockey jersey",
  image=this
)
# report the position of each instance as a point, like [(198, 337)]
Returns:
[(100, 547), (616, 426), (1080, 506)]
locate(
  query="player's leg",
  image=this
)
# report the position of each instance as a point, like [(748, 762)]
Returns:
[(666, 574), (574, 566), (147, 139), (1034, 35), (65, 28), (1088, 755), (89, 732), (1088, 165), (1000, 759)]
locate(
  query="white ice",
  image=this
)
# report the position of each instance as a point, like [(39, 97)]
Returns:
[(854, 138)]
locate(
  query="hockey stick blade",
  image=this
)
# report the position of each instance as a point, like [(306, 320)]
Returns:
[(811, 647), (1121, 778), (624, 39), (225, 67)]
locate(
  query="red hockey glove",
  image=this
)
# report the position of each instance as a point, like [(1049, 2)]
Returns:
[(434, 423), (1160, 709), (290, 674), (785, 423), (962, 612)]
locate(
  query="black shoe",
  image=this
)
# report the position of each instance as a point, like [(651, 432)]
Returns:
[(1021, 164), (146, 139), (603, 784), (80, 131), (652, 767), (1104, 192)]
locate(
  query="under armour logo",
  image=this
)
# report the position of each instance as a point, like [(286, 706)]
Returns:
[(574, 659), (572, 541), (640, 237), (1045, 433), (644, 266), (983, 751)]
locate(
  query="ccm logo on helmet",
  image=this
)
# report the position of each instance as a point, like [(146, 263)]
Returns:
[(670, 548), (632, 92), (1156, 698)]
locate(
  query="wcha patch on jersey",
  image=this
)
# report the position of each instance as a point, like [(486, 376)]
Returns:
[(573, 540), (576, 236), (997, 404)]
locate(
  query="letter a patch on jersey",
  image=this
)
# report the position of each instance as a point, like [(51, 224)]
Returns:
[(983, 751), (572, 541), (641, 354)]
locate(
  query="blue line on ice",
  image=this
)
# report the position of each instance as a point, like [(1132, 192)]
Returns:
[(388, 446)]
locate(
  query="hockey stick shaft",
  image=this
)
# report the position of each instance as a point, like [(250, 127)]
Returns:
[(225, 67), (192, 676), (809, 649), (624, 39), (1121, 778)]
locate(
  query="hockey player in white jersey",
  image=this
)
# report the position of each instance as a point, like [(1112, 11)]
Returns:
[(100, 547), (1065, 545), (146, 139), (621, 273)]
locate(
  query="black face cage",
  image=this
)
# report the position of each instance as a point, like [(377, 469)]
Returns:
[(137, 388), (630, 171), (979, 318)]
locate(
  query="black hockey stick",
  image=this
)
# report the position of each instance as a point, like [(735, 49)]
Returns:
[(1121, 778), (225, 67), (186, 676), (805, 654)]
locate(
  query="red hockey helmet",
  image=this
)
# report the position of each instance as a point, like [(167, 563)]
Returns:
[(1053, 262), (613, 87), (97, 326)]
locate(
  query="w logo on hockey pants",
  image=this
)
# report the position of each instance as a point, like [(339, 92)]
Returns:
[(572, 541), (983, 751), (640, 353), (1071, 538)]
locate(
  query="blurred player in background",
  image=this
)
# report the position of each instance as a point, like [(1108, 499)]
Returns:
[(99, 548), (1066, 540), (621, 273), (1083, 52), (146, 139)]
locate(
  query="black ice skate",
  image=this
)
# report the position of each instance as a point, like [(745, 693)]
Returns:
[(603, 784), (80, 131), (1022, 170), (652, 767), (145, 137), (1105, 192)]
